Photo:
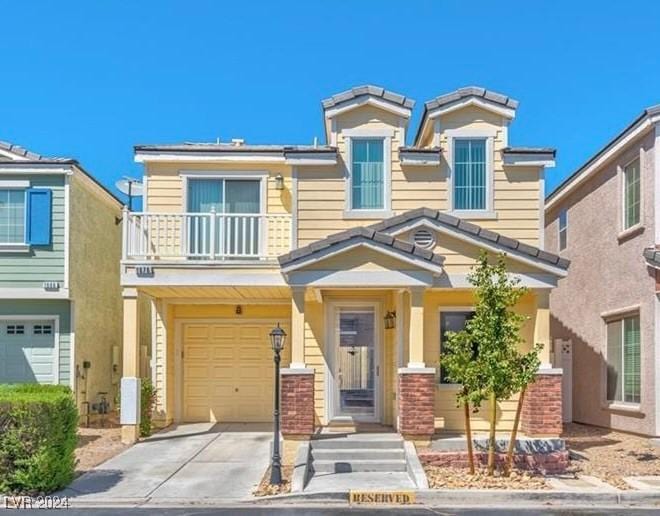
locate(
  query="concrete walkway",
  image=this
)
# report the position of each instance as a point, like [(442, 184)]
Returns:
[(190, 462)]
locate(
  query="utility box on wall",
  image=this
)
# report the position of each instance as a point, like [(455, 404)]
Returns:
[(130, 401)]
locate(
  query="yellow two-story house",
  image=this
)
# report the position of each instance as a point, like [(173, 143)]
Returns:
[(359, 249)]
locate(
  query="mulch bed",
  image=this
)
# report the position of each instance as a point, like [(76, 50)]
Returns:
[(267, 489), (458, 478), (610, 455)]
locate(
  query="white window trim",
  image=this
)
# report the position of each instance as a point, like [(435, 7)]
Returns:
[(559, 248), (624, 231), (620, 314), (17, 247), (441, 309), (368, 134), (473, 134)]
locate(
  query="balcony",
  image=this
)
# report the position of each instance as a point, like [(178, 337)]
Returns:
[(211, 237)]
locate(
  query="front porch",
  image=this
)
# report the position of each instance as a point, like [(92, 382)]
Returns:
[(343, 369)]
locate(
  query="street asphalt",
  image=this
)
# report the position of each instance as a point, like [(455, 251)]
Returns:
[(363, 511)]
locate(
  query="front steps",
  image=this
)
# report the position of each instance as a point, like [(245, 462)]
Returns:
[(351, 453)]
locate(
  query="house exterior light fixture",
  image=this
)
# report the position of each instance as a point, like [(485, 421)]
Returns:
[(390, 320), (279, 182)]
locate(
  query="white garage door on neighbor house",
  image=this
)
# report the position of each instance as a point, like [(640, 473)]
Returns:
[(28, 351)]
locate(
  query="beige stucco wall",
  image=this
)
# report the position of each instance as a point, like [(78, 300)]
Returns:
[(607, 273), (95, 251)]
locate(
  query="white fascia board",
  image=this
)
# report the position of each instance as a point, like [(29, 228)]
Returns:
[(533, 281), (209, 157), (473, 101), (33, 293), (367, 101), (364, 279), (320, 159), (6, 183), (529, 160), (511, 253), (350, 245), (35, 169), (169, 277), (637, 131), (420, 159)]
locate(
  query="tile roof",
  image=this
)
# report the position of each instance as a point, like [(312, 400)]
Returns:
[(652, 256), (360, 233), (470, 91), (232, 148), (379, 233), (456, 224), (529, 150), (368, 89), (31, 156)]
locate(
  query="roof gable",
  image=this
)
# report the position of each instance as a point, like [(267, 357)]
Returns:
[(367, 95), (477, 235)]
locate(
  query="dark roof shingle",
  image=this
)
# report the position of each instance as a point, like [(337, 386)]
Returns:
[(368, 90)]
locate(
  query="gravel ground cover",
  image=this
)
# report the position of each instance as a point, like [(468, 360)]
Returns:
[(610, 455), (458, 478), (267, 489), (97, 444)]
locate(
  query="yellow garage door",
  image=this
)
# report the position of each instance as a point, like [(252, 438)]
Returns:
[(227, 371)]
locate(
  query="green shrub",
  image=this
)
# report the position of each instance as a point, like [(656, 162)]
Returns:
[(147, 404), (38, 426)]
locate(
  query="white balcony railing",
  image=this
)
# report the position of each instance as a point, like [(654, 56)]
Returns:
[(205, 236)]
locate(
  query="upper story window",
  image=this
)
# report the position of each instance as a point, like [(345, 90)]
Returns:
[(563, 228), (224, 195), (12, 216), (632, 191), (470, 174), (367, 174), (623, 360)]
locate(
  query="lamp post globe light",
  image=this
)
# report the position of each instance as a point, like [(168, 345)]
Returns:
[(277, 338)]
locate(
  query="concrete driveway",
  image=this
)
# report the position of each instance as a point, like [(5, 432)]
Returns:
[(188, 462)]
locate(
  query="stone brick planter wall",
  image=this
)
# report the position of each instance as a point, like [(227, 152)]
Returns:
[(416, 402), (542, 411), (297, 402), (545, 463)]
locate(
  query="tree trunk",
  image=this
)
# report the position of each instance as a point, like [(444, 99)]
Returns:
[(468, 436), (514, 434), (491, 438)]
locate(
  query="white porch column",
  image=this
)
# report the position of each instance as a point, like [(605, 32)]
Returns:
[(297, 328), (130, 382), (416, 329)]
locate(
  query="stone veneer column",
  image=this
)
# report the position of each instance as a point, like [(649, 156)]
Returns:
[(542, 411), (416, 403), (297, 402)]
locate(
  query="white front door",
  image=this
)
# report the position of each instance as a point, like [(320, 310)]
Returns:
[(356, 366)]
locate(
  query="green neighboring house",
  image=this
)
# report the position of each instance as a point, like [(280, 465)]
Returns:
[(60, 299)]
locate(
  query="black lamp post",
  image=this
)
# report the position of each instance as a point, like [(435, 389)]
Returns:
[(277, 338)]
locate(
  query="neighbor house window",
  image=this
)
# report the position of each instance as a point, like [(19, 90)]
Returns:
[(631, 195), (563, 224), (368, 174), (451, 321), (623, 360), (470, 174), (12, 216)]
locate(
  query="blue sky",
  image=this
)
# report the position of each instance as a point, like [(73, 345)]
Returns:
[(91, 79)]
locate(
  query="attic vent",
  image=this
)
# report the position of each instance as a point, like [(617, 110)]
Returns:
[(424, 238)]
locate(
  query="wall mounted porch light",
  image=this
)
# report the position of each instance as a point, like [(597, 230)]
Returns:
[(390, 320), (279, 182)]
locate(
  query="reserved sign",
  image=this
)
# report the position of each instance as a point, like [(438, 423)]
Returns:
[(382, 497)]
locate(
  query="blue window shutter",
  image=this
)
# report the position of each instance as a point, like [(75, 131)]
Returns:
[(39, 216)]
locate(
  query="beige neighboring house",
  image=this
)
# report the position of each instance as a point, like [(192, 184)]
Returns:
[(605, 218), (358, 248)]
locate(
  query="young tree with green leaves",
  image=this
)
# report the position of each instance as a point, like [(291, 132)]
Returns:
[(495, 331), (459, 366)]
